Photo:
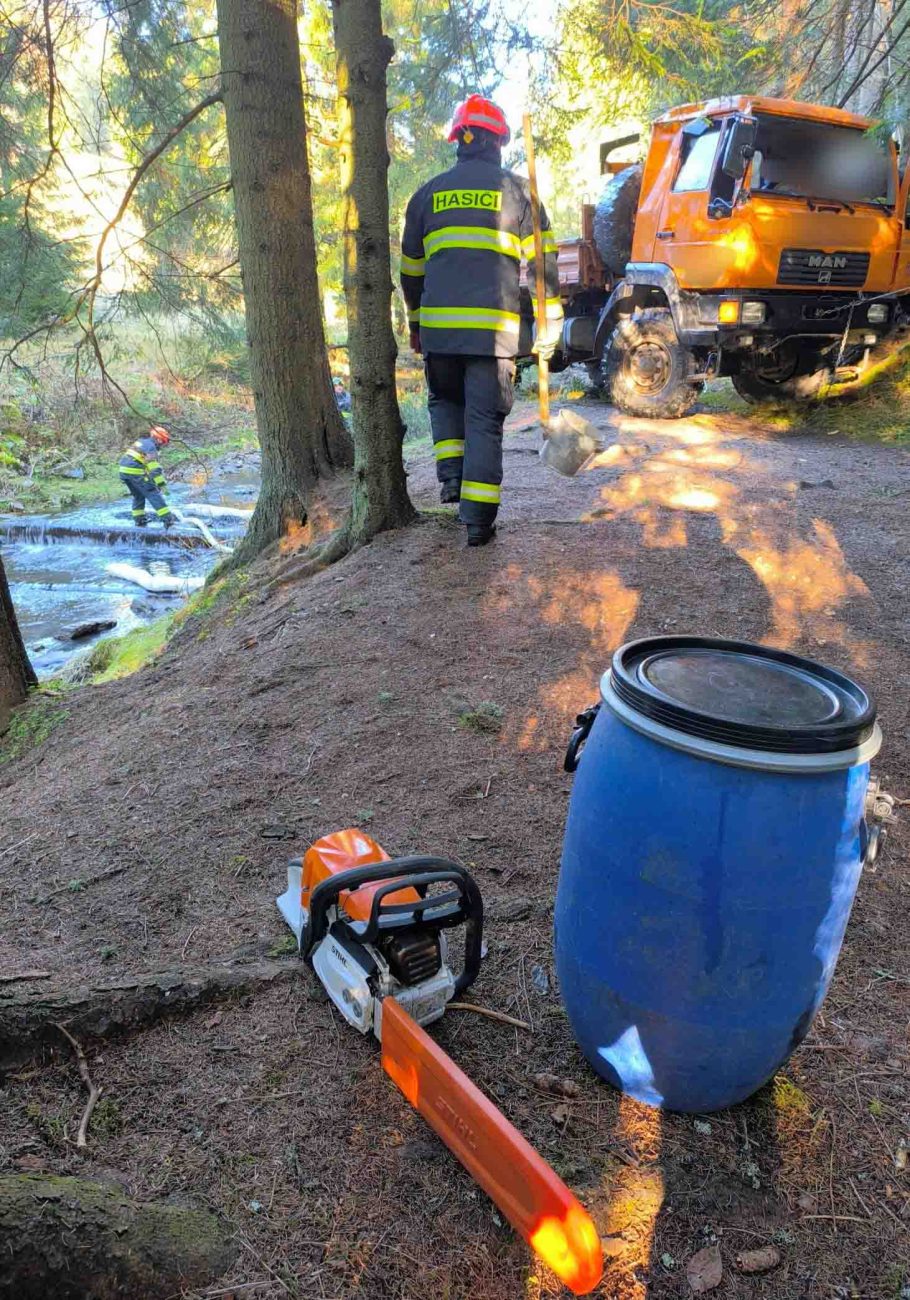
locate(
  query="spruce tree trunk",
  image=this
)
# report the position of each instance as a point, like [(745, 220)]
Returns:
[(301, 432), (363, 54), (16, 673)]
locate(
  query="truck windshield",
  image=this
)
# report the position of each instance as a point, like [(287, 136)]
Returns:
[(814, 160)]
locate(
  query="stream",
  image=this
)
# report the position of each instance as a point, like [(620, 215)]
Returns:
[(60, 584)]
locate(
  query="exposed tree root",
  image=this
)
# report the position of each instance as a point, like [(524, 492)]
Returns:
[(29, 1018), (331, 549), (70, 1238)]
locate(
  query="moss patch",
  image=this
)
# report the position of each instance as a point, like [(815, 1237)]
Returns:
[(119, 656), (788, 1098), (874, 409), (487, 717), (31, 724), (114, 657), (224, 590)]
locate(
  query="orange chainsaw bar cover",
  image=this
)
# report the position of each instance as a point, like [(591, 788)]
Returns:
[(535, 1201)]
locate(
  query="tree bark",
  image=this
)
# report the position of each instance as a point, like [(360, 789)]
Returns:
[(16, 673), (29, 1016), (70, 1238), (301, 432), (363, 53)]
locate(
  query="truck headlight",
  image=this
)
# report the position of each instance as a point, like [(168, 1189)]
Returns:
[(728, 312), (753, 313), (877, 313)]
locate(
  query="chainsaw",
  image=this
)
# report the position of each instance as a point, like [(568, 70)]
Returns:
[(375, 931)]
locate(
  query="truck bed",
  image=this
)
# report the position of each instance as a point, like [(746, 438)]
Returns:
[(579, 264)]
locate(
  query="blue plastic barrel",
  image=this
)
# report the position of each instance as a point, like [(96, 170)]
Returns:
[(714, 843)]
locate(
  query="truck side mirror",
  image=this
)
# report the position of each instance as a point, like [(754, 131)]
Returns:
[(739, 147)]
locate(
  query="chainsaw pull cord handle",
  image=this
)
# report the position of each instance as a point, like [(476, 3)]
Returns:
[(583, 724), (419, 873)]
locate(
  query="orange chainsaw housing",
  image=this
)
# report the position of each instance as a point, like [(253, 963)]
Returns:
[(341, 851)]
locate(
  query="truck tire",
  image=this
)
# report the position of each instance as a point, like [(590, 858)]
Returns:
[(614, 218), (596, 377), (756, 387), (648, 370)]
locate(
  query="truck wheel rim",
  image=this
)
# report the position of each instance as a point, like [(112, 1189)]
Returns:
[(648, 366)]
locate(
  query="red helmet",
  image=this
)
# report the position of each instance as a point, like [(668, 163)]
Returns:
[(160, 435), (483, 113)]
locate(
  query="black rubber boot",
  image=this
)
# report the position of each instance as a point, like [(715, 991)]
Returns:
[(169, 521), (141, 523), (480, 534), (450, 492)]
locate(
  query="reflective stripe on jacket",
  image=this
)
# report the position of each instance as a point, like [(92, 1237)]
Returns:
[(141, 461), (466, 232)]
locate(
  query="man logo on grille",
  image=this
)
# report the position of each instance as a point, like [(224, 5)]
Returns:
[(830, 261), (824, 277)]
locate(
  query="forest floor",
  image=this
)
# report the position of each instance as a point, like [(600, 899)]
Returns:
[(426, 692)]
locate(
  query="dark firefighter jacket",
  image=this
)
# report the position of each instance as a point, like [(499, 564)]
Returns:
[(465, 234), (140, 461)]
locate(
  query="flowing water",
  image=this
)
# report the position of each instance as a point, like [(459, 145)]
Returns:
[(61, 584)]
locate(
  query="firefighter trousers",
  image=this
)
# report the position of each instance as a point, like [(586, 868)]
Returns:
[(143, 490), (469, 399)]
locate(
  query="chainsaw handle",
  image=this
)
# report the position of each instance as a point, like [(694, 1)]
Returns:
[(418, 873), (448, 909)]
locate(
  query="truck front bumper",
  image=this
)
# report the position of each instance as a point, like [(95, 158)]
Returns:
[(701, 321)]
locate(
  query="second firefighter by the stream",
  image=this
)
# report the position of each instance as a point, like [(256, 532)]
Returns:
[(141, 473), (466, 232)]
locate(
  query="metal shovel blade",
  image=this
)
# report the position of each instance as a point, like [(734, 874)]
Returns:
[(570, 442)]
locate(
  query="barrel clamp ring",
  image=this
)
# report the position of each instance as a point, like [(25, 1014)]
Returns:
[(879, 815)]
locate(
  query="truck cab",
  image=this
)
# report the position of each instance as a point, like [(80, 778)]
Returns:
[(769, 242)]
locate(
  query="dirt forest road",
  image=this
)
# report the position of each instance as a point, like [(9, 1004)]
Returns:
[(426, 692)]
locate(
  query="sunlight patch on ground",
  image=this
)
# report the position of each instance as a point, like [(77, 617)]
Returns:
[(694, 498), (806, 580), (635, 1198), (597, 601), (692, 433), (650, 491)]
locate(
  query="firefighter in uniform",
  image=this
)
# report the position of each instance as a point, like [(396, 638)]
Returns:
[(465, 234), (141, 474)]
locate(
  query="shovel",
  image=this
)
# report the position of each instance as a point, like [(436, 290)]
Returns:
[(570, 441), (540, 299)]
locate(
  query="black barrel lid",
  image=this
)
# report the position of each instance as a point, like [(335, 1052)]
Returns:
[(736, 693)]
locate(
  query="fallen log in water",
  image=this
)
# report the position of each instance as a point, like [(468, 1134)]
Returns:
[(40, 531)]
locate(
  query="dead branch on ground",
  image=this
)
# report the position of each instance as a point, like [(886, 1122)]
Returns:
[(94, 1092)]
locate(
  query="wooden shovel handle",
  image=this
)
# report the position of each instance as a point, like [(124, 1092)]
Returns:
[(543, 366)]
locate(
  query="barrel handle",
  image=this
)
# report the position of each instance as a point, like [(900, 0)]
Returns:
[(583, 724), (873, 828)]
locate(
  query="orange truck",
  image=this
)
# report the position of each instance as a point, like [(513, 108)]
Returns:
[(763, 239)]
